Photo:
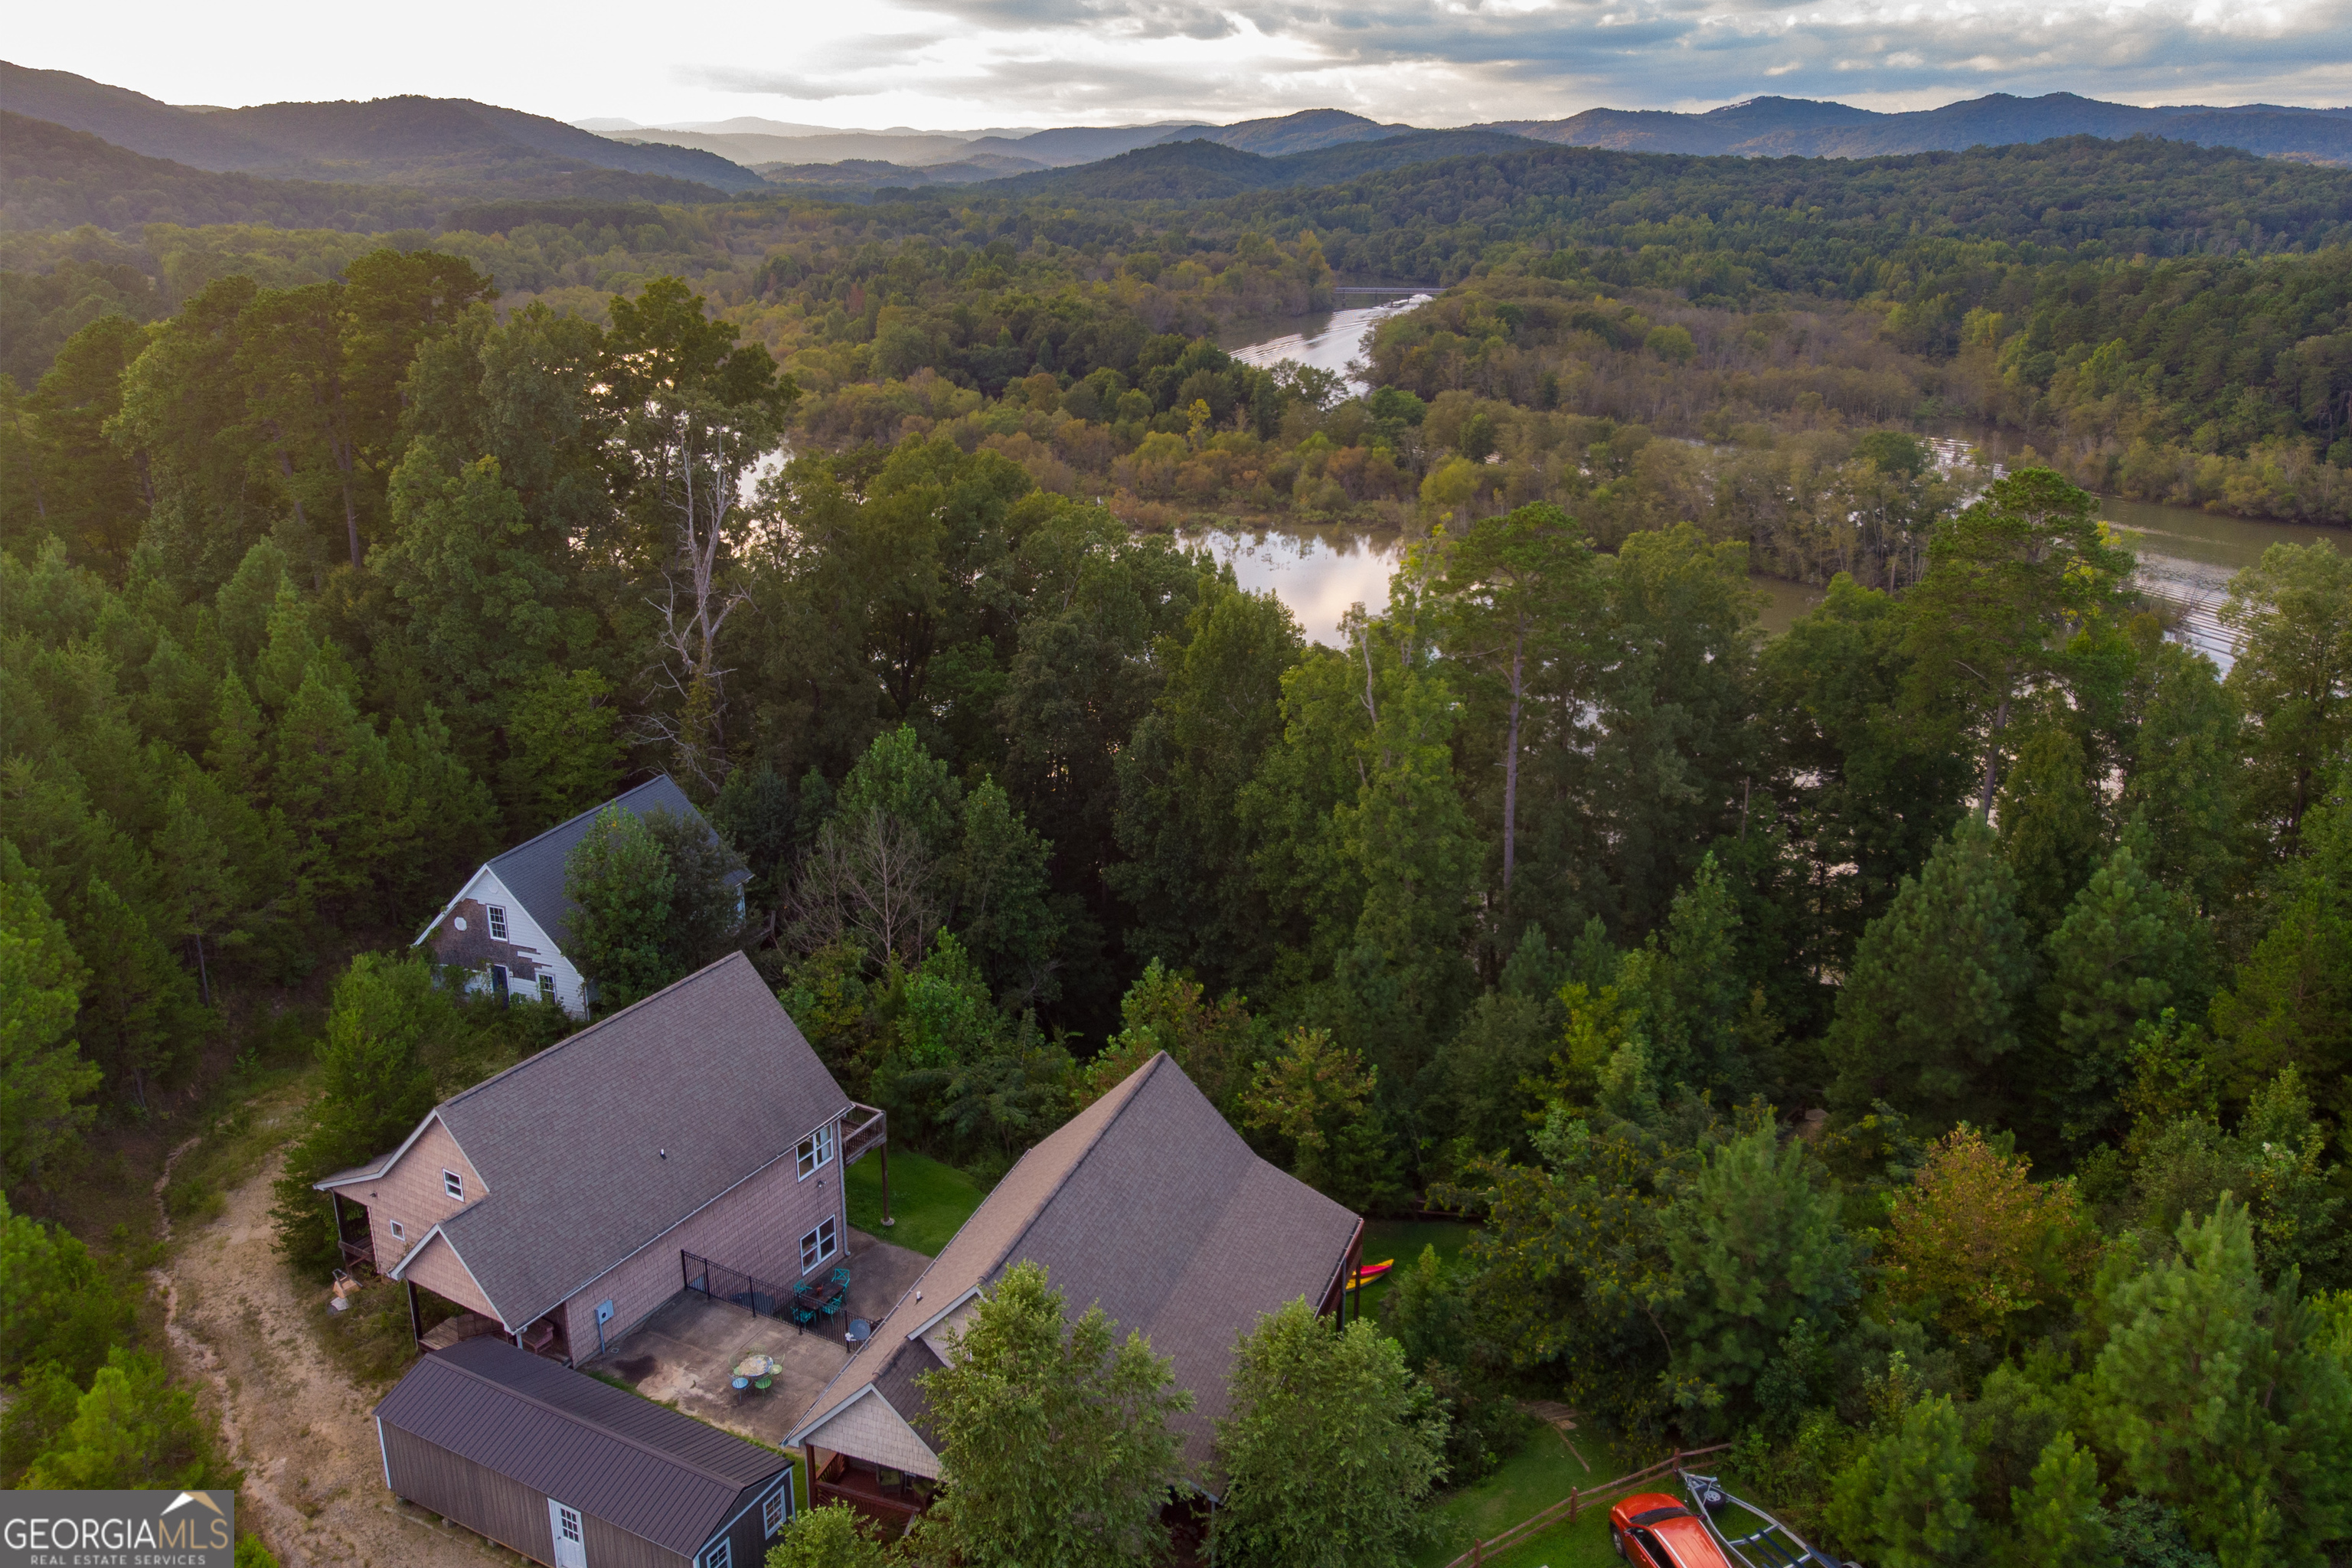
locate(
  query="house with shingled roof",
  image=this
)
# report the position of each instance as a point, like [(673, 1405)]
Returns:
[(559, 1200), (507, 927), (568, 1471), (1147, 1202)]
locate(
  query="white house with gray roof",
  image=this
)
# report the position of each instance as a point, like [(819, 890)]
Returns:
[(508, 925)]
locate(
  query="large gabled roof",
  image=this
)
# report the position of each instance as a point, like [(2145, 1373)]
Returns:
[(601, 1143), (1147, 1202), (631, 1463), (533, 870)]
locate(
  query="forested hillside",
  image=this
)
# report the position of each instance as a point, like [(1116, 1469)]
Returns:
[(1913, 1048)]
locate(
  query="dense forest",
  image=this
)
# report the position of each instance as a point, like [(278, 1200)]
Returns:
[(1914, 1047)]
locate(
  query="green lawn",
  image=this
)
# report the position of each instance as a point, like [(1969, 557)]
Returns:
[(930, 1201), (1539, 1474), (1403, 1239)]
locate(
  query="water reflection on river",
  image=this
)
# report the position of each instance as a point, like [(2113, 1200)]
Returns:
[(1332, 341), (2185, 557), (2189, 557)]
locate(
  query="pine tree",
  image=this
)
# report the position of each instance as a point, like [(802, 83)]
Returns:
[(1904, 1503), (2057, 1520), (2126, 950), (133, 1430), (1928, 1014), (1002, 898), (2227, 1402), (2050, 828), (2292, 1003), (1684, 996), (562, 752), (42, 1073), (1757, 1248), (387, 1019)]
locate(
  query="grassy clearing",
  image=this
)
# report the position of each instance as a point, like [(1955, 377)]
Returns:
[(1403, 1240), (1540, 1474), (930, 1201)]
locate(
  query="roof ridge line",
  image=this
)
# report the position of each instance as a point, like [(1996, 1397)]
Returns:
[(1093, 1144), (562, 1414), (578, 1034), (519, 849)]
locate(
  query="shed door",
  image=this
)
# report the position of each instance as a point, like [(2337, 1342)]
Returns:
[(571, 1541)]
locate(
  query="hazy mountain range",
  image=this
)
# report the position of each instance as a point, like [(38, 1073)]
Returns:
[(427, 143)]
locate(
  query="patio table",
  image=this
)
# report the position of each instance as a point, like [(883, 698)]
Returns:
[(756, 1367)]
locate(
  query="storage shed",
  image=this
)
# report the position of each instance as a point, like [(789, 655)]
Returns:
[(572, 1472)]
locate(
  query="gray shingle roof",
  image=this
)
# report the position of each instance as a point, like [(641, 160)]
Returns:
[(569, 1141), (1149, 1203), (628, 1461), (533, 871)]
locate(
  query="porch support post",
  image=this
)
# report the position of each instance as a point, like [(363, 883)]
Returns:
[(887, 1220), (416, 1324), (336, 1198)]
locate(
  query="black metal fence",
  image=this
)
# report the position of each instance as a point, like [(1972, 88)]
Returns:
[(721, 1283)]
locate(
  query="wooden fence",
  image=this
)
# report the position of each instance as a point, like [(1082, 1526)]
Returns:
[(1568, 1508)]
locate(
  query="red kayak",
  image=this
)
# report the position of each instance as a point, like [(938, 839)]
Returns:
[(1371, 1271)]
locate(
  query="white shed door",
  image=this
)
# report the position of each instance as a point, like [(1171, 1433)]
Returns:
[(571, 1543)]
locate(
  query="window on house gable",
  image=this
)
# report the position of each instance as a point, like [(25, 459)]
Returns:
[(398, 1232), (498, 923), (720, 1555), (547, 987), (454, 1185), (816, 1152), (817, 1246), (771, 1512)]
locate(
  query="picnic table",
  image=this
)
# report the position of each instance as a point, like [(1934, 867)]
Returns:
[(814, 1299)]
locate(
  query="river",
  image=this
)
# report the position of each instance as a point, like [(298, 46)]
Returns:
[(2186, 557), (1330, 340)]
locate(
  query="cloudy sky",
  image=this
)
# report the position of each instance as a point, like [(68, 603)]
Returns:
[(974, 63)]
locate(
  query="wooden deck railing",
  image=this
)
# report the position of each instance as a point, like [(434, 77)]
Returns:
[(872, 1129), (1575, 1502)]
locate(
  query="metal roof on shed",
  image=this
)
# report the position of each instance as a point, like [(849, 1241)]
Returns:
[(640, 1467)]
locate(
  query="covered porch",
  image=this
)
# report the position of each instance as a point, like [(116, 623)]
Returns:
[(891, 1499)]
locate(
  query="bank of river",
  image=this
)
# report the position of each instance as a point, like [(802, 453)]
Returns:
[(2186, 557), (1332, 340)]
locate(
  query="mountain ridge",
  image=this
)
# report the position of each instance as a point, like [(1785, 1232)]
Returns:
[(409, 140)]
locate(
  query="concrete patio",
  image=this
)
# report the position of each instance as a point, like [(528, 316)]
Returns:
[(686, 1353)]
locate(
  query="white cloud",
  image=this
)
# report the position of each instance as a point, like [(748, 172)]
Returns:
[(952, 63)]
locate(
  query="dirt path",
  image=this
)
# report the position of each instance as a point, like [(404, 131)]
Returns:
[(313, 1476)]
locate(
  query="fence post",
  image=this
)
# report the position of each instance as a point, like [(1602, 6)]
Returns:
[(1477, 1554), (1571, 1505)]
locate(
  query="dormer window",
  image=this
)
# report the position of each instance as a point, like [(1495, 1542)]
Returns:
[(498, 923), (454, 1185), (816, 1152)]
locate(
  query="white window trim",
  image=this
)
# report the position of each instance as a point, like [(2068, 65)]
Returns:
[(722, 1554), (398, 1234), (546, 986), (814, 1152), (498, 921), (453, 1185), (774, 1512), (825, 1241)]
